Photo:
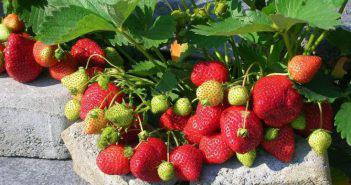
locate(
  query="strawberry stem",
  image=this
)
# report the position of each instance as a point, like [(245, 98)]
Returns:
[(320, 115), (175, 138), (168, 135), (104, 100), (97, 55), (246, 114), (248, 70)]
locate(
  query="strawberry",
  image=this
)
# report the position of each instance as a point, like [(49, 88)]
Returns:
[(108, 136), (239, 137), (120, 115), (44, 54), (84, 48), (238, 95), (312, 117), (146, 159), (63, 68), (2, 59), (114, 160), (247, 159), (95, 121), (205, 122), (95, 96), (92, 71), (283, 146), (72, 110), (159, 104), (320, 140), (19, 60), (210, 93), (165, 171), (275, 100), (171, 121), (211, 70), (187, 161), (13, 22), (214, 149), (182, 107), (4, 33), (76, 82), (303, 68)]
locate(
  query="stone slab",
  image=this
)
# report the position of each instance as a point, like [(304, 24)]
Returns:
[(306, 167), (29, 171), (32, 118)]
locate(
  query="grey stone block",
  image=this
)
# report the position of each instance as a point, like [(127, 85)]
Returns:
[(83, 150), (306, 167), (19, 171), (32, 118)]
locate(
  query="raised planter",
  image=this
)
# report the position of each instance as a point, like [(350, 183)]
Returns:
[(32, 118), (306, 167)]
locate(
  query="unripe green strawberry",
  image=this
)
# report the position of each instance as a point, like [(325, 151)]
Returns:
[(159, 104), (165, 171), (76, 82), (238, 95), (114, 57), (299, 123), (320, 140), (108, 136), (182, 107), (120, 115), (247, 159), (72, 110), (210, 93), (4, 33), (271, 133), (143, 135)]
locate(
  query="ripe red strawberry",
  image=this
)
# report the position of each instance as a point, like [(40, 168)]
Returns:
[(92, 71), (19, 60), (187, 161), (2, 59), (312, 115), (44, 54), (239, 138), (275, 100), (209, 70), (283, 146), (172, 121), (13, 23), (146, 159), (302, 68), (64, 67), (94, 96), (205, 122), (215, 150), (114, 160), (84, 48)]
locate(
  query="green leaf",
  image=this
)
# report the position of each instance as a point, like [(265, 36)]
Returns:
[(254, 22), (33, 13), (146, 68), (340, 38), (317, 13), (343, 121), (121, 9), (208, 42), (167, 83), (67, 23), (320, 89)]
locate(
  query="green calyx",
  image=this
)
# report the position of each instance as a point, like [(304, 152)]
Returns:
[(94, 113), (120, 115), (320, 140), (271, 133), (108, 136), (60, 54), (103, 81), (143, 135), (247, 159), (159, 104), (182, 107), (165, 171), (128, 152), (72, 110), (299, 123), (242, 132)]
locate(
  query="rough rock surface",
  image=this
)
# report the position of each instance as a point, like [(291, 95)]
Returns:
[(306, 168), (19, 171), (32, 118)]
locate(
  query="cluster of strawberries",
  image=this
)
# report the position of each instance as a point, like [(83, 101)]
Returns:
[(24, 58), (222, 126)]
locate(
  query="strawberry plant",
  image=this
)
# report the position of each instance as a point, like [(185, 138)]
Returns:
[(255, 70)]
